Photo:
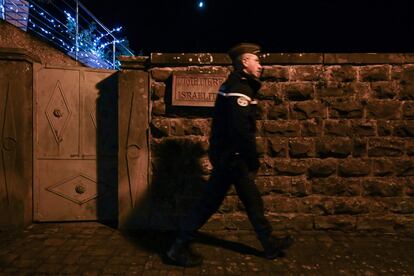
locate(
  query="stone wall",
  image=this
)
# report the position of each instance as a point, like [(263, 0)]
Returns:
[(335, 134)]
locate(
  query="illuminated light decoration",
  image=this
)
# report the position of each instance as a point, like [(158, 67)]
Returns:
[(93, 44), (201, 4)]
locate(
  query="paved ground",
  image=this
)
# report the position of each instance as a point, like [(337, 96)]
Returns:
[(95, 249)]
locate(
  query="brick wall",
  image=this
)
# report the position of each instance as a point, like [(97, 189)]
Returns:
[(335, 134)]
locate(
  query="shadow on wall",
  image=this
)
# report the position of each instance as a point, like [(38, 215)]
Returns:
[(177, 181), (107, 150)]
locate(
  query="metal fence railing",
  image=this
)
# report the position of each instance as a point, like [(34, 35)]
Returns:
[(70, 26)]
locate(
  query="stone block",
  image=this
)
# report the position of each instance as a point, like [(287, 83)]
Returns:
[(308, 110), (278, 147), (404, 167), (199, 127), (280, 204), (383, 109), (409, 147), (407, 73), (344, 73), (401, 205), (322, 168), (406, 91), (158, 108), (342, 223), (337, 147), (158, 90), (177, 127), (160, 127), (384, 187), (282, 128), (274, 184), (358, 90), (292, 58), (408, 110), (404, 129), (161, 74), (290, 167), (318, 205), (306, 73), (311, 128), (375, 73), (275, 73), (384, 128), (278, 112), (337, 128), (266, 166), (350, 205), (300, 187), (396, 72), (409, 186), (382, 167), (329, 89), (384, 90), (262, 110), (381, 223), (364, 128), (269, 90), (359, 147), (301, 91), (407, 82), (291, 222), (261, 145), (354, 167), (200, 68), (378, 147), (301, 147), (345, 108), (336, 186)]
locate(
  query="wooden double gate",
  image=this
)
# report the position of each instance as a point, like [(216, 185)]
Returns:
[(76, 144), (73, 142)]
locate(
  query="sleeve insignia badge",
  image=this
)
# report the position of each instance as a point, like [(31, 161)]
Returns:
[(242, 101)]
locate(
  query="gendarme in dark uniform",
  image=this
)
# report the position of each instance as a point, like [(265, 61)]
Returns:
[(234, 158)]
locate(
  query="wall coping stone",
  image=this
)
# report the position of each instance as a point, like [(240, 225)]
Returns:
[(133, 62), (18, 54), (202, 59)]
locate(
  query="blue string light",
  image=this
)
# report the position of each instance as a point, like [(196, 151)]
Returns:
[(92, 43)]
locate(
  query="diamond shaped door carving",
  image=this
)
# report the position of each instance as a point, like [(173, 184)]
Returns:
[(78, 189), (58, 112)]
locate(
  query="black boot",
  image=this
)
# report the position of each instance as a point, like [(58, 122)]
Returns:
[(273, 246), (181, 254)]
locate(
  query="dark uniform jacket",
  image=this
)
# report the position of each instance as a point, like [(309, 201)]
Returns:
[(234, 122)]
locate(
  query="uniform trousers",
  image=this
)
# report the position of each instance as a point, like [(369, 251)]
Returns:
[(233, 172)]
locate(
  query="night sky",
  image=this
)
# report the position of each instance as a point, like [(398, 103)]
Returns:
[(279, 26)]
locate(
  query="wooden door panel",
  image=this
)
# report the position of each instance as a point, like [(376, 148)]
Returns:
[(58, 114), (67, 190)]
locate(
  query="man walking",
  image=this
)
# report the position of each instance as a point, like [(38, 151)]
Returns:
[(234, 158)]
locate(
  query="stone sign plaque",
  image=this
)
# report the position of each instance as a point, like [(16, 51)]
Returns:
[(190, 89)]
